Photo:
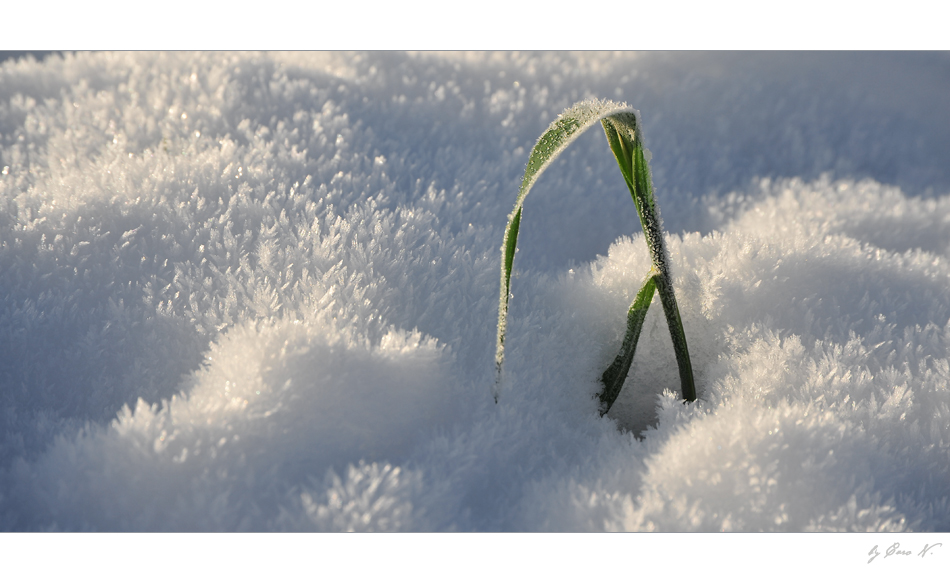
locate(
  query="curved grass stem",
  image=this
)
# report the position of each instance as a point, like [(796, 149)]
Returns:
[(622, 127), (615, 375), (623, 135)]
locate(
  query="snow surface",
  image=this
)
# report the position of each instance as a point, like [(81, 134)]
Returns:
[(259, 292)]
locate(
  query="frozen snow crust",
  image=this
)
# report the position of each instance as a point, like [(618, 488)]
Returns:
[(258, 292)]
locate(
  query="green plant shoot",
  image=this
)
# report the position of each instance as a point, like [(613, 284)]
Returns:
[(623, 130)]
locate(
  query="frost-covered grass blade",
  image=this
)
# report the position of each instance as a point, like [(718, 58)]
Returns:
[(615, 375), (623, 133), (622, 127)]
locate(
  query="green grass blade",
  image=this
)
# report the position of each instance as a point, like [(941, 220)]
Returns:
[(623, 137), (625, 143), (615, 375), (622, 127), (675, 323), (564, 130)]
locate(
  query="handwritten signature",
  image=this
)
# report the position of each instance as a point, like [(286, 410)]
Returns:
[(895, 550)]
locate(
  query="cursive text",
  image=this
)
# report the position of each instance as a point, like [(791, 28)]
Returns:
[(896, 550)]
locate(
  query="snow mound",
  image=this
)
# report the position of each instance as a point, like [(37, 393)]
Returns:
[(808, 411), (271, 401)]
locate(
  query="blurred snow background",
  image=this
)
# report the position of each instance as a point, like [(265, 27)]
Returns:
[(259, 292)]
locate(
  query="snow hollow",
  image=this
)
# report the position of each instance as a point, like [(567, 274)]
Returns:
[(259, 292)]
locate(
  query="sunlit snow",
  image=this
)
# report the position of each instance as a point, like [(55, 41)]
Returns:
[(259, 292)]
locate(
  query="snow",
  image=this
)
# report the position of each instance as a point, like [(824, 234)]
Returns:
[(259, 292)]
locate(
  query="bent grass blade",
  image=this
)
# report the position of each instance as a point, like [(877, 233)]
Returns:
[(621, 125), (615, 375), (623, 134)]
